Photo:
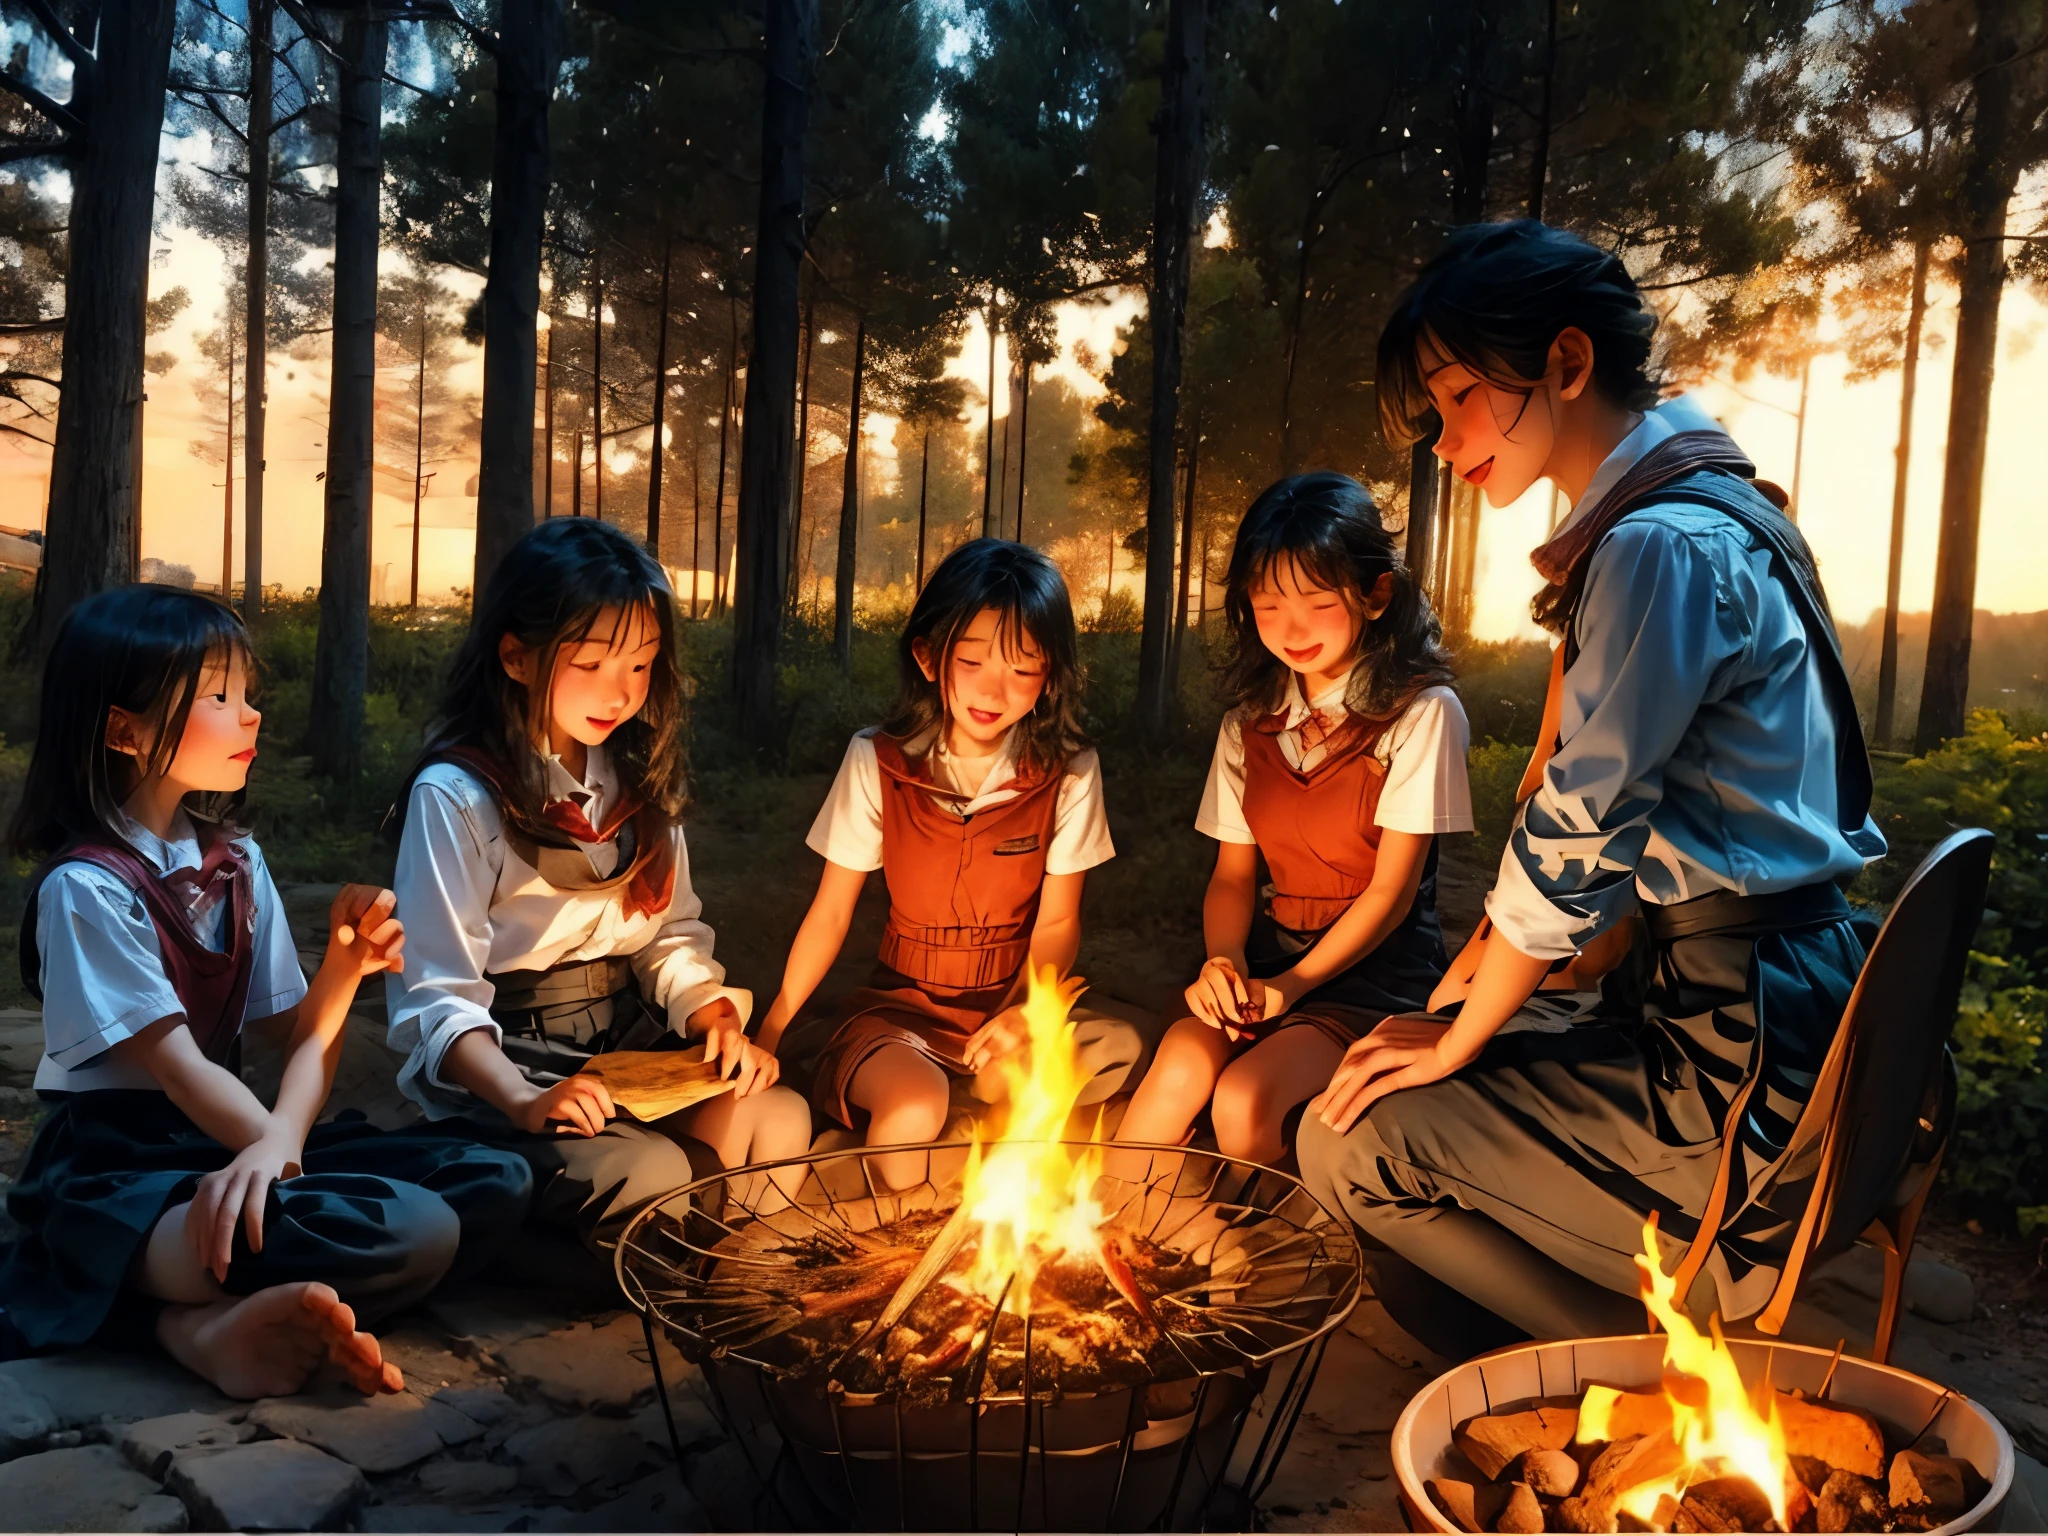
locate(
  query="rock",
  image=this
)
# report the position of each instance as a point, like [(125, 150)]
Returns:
[(1840, 1437), (726, 1484), (26, 1420), (493, 1316), (695, 1423), (1927, 1484), (658, 1502), (468, 1479), (1938, 1292), (429, 1365), (409, 1518), (89, 1488), (1523, 1516), (158, 1512), (1468, 1506), (1623, 1465), (564, 1455), (485, 1405), (84, 1387), (268, 1485), (592, 1367), (1723, 1504), (1554, 1474), (1492, 1440), (151, 1444), (1607, 1414), (378, 1434), (1847, 1502)]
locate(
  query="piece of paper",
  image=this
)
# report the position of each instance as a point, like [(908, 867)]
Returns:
[(650, 1085)]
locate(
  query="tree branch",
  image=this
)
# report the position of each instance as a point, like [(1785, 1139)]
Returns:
[(65, 39), (8, 426), (36, 378), (47, 327), (55, 111), (9, 153)]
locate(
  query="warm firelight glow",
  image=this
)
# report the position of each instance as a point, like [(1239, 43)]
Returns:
[(1715, 1422), (1028, 1197)]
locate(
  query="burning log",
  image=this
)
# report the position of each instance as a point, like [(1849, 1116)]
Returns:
[(1847, 1502), (1840, 1437), (1490, 1441), (1607, 1414), (875, 1283), (1622, 1467), (1109, 1252), (1724, 1504)]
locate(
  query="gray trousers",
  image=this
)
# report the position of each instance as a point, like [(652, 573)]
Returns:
[(595, 1185)]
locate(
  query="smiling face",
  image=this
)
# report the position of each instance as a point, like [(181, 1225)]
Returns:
[(219, 740), (599, 681), (1311, 627), (1502, 437), (993, 680)]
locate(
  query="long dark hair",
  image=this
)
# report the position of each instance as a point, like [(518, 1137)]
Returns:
[(142, 649), (547, 593), (1327, 526), (1030, 598), (1494, 299)]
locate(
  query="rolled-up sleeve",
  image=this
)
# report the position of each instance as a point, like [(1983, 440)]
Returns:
[(675, 968), (448, 864), (1656, 625)]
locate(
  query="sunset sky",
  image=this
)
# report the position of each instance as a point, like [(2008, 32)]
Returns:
[(1845, 487)]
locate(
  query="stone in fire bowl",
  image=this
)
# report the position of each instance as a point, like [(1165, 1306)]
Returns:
[(1905, 1404)]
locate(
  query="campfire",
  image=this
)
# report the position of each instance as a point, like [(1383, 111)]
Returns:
[(1705, 1445), (1034, 1305)]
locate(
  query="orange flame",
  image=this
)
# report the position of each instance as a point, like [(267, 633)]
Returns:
[(1721, 1432)]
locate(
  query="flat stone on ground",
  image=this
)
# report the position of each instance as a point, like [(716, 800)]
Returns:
[(25, 1419), (592, 1367), (495, 1316), (86, 1488), (696, 1424), (658, 1502), (268, 1485), (468, 1479), (486, 1405), (378, 1434), (86, 1386), (564, 1455), (407, 1518), (151, 1444)]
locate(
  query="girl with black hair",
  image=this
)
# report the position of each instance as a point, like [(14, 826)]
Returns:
[(545, 886), (159, 1190), (982, 806), (1700, 764), (1340, 763)]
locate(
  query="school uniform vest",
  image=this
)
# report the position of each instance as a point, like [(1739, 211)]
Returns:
[(1316, 829), (963, 891), (212, 985)]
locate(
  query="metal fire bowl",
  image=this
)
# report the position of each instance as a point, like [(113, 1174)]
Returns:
[(1907, 1406), (1125, 1458)]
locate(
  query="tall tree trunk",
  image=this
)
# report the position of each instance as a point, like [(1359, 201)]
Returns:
[(1447, 536), (988, 448), (1305, 247), (696, 518), (1909, 384), (803, 454), (1539, 153), (768, 437), (656, 450), (1187, 543), (341, 651), (227, 475), (1989, 174), (528, 57), (732, 368), (1422, 482), (94, 516), (849, 508), (1465, 554), (1799, 436), (256, 313), (547, 425), (1176, 190), (419, 459), (924, 483), (1023, 445), (576, 473), (597, 383), (1003, 470), (1472, 122)]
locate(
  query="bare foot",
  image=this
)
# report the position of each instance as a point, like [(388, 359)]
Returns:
[(271, 1343)]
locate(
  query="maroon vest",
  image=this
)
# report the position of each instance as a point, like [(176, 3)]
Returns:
[(212, 985), (1318, 831)]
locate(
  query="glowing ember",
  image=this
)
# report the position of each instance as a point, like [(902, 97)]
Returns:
[(1715, 1420), (1027, 1197)]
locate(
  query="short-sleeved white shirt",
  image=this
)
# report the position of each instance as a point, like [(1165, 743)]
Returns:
[(103, 975), (848, 830), (1426, 789)]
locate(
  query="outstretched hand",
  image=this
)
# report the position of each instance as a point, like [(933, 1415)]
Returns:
[(1399, 1053)]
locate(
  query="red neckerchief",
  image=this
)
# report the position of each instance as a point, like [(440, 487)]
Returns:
[(651, 881)]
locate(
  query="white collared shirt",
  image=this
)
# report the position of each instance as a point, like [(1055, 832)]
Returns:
[(103, 975), (1426, 789), (472, 908), (848, 829)]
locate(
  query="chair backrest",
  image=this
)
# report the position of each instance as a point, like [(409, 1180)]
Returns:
[(1895, 1028)]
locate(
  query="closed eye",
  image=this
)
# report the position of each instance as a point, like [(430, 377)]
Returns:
[(1459, 397)]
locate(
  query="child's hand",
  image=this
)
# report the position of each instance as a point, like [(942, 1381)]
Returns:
[(579, 1105), (1004, 1035), (236, 1193), (751, 1067), (363, 936), (1225, 998)]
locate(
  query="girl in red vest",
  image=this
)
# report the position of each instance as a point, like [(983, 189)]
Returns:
[(160, 1193), (982, 807), (1340, 764)]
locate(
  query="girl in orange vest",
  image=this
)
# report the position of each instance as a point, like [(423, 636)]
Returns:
[(1340, 764), (982, 806)]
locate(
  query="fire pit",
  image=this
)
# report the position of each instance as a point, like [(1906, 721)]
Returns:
[(1679, 1431), (854, 1344)]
